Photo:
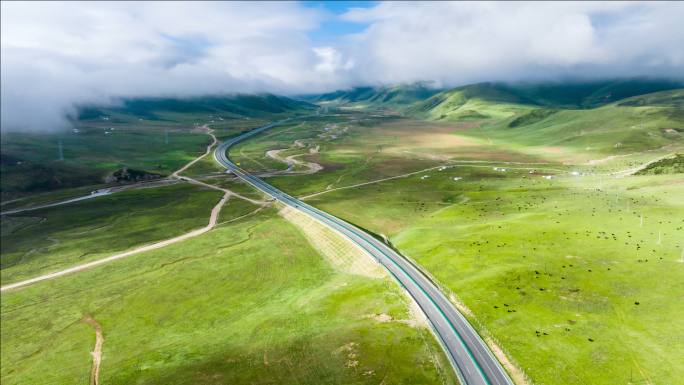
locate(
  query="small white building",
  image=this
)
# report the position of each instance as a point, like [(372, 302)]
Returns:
[(425, 176)]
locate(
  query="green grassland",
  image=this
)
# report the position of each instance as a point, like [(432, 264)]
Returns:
[(136, 139), (560, 253), (583, 95), (204, 166), (13, 224), (235, 208), (252, 302), (92, 229), (671, 165), (398, 95), (249, 302), (494, 101), (583, 135), (51, 196), (477, 102), (251, 155), (90, 155), (497, 238)]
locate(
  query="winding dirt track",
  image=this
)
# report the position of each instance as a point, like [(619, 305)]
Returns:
[(212, 223), (97, 352)]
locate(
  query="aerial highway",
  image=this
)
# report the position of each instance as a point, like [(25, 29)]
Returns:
[(473, 361)]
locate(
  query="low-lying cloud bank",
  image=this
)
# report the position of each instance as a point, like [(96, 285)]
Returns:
[(57, 55)]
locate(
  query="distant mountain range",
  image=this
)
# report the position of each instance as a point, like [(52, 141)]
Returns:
[(396, 95), (243, 105), (488, 101)]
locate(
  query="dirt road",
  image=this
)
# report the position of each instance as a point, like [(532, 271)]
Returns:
[(212, 222)]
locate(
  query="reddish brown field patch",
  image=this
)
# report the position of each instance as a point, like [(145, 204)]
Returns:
[(483, 175), (328, 167)]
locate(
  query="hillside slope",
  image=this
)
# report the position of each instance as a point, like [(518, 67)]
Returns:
[(584, 95), (483, 101), (494, 101), (243, 105), (396, 95), (614, 129)]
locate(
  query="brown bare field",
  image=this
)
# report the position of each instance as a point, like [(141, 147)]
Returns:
[(328, 167), (485, 175), (441, 141)]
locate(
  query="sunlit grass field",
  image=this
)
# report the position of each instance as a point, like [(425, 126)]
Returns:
[(90, 156), (559, 253), (92, 229), (253, 302), (249, 302), (497, 238)]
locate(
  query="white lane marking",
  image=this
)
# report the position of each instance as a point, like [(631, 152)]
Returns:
[(468, 370)]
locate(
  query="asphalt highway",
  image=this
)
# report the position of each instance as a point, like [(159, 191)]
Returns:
[(470, 356)]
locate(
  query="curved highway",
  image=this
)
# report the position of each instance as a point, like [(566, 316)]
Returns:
[(470, 356)]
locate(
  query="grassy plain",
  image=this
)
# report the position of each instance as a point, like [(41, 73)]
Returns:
[(92, 229), (249, 302), (561, 256), (134, 135), (580, 136), (497, 238), (204, 166), (231, 305), (570, 260), (90, 155)]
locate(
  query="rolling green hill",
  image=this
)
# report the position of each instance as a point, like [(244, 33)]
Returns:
[(241, 104), (611, 130), (583, 95), (396, 95), (483, 101), (493, 101)]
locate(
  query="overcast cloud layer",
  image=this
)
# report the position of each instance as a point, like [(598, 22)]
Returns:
[(57, 55)]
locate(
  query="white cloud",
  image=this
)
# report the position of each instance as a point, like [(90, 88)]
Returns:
[(458, 42), (56, 55)]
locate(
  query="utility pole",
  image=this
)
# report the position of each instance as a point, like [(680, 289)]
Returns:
[(642, 220), (60, 151), (600, 183), (658, 236)]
